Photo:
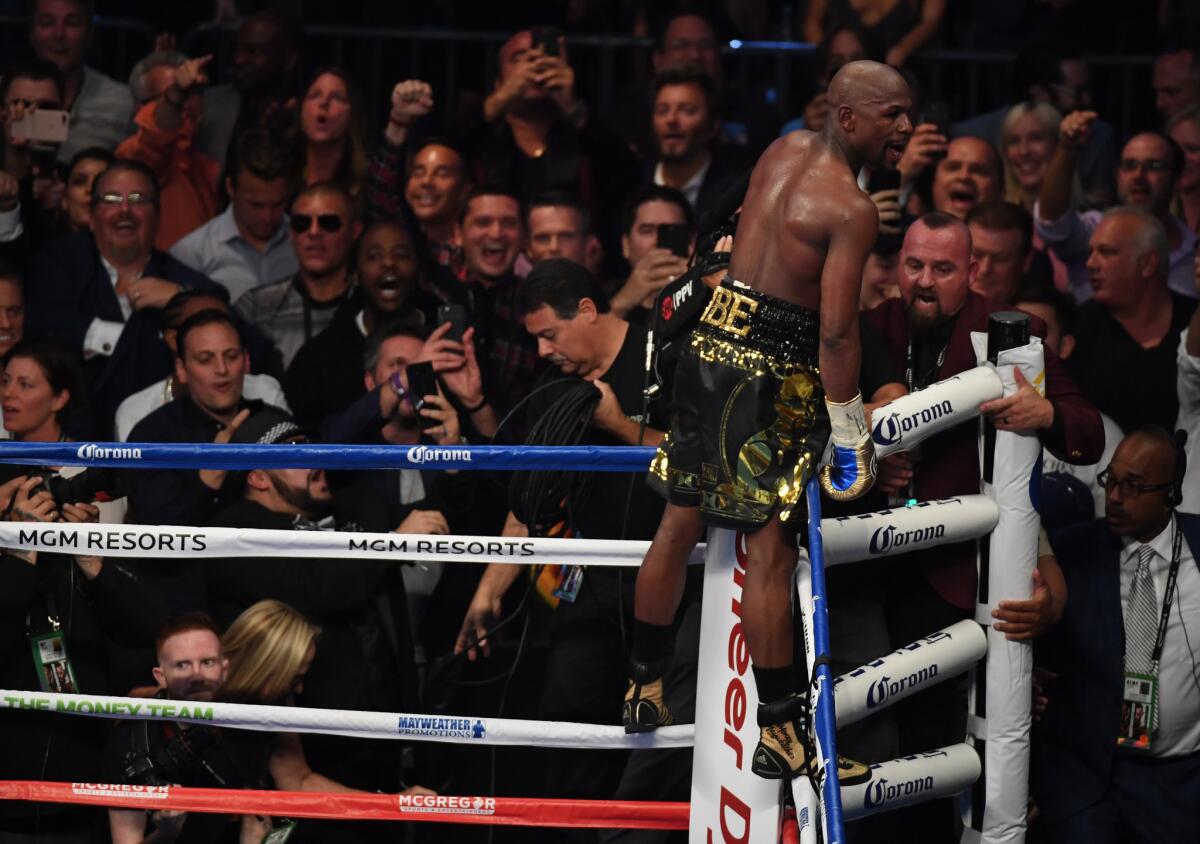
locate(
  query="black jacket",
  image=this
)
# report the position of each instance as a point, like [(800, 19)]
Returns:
[(115, 608), (326, 375), (728, 165), (1074, 745), (364, 657), (68, 287)]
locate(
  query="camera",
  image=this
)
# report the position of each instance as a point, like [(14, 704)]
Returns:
[(92, 484), (172, 760)]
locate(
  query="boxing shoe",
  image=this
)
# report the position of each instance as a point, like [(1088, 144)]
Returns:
[(850, 473), (785, 749), (644, 708)]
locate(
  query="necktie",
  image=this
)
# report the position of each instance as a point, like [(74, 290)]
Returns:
[(1141, 622)]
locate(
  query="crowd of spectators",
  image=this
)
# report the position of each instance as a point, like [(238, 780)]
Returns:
[(185, 260)]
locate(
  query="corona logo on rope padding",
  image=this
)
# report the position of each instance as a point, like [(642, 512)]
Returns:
[(926, 662), (91, 451), (885, 686), (888, 537), (880, 791), (432, 453), (905, 422), (890, 430), (913, 779)]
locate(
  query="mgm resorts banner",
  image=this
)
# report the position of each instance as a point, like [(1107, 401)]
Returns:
[(847, 539), (192, 542)]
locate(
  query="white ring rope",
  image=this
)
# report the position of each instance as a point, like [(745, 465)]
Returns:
[(454, 729), (847, 540)]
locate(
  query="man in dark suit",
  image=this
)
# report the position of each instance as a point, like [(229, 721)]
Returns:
[(927, 335), (1118, 573), (102, 291), (689, 155)]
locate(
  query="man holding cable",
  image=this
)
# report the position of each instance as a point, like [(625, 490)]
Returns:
[(594, 397)]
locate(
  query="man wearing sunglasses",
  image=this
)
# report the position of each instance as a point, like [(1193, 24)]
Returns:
[(1128, 638), (324, 226), (1147, 174), (101, 292)]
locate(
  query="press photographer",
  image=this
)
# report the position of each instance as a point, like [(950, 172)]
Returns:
[(263, 658), (60, 620)]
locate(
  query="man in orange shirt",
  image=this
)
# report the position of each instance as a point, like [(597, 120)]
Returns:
[(167, 87)]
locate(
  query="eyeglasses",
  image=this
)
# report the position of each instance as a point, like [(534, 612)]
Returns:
[(1152, 165), (136, 199), (1128, 488), (301, 223)]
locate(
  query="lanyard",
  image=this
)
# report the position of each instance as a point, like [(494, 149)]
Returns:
[(908, 371), (1169, 597)]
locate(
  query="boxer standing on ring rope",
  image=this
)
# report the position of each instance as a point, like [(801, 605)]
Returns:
[(769, 374)]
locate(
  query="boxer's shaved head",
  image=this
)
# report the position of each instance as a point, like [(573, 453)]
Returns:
[(863, 82), (870, 103)]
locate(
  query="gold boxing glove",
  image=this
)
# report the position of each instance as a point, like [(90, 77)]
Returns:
[(850, 472)]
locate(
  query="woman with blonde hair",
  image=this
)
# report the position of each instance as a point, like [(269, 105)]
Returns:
[(270, 648), (1028, 136)]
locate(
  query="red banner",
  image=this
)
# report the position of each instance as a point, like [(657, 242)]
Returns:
[(442, 808)]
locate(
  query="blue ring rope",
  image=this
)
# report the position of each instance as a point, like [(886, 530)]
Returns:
[(321, 456), (826, 718)]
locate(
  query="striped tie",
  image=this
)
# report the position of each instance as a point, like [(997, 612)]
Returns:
[(1141, 621)]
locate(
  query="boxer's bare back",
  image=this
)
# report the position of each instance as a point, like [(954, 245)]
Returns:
[(801, 191), (806, 227)]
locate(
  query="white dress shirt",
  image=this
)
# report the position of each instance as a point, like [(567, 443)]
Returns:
[(1112, 438), (102, 334), (1179, 669), (691, 189), (1187, 385)]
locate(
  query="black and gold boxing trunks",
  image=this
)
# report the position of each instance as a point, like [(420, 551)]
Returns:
[(748, 419)]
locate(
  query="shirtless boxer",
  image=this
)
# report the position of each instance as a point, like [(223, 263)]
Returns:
[(771, 372)]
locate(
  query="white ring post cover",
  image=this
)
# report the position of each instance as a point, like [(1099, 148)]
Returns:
[(729, 803), (1008, 666)]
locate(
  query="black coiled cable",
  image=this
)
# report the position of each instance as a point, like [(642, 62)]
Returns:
[(542, 498)]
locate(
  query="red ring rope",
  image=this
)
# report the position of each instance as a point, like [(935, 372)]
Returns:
[(503, 811)]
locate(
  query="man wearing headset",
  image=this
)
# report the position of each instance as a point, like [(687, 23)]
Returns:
[(1129, 636)]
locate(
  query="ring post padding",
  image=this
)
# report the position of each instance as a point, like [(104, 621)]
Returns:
[(1010, 474), (901, 530), (729, 803), (912, 779), (901, 424), (913, 668)]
